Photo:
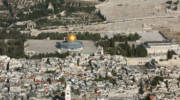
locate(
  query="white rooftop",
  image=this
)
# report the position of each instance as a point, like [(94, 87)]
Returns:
[(151, 36)]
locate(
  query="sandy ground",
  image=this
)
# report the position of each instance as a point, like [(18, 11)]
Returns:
[(119, 27), (124, 9), (128, 16)]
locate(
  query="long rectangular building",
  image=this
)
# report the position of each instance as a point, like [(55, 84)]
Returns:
[(161, 48)]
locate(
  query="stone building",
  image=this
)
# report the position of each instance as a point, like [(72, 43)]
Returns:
[(31, 25), (50, 6), (70, 44), (68, 93), (160, 48)]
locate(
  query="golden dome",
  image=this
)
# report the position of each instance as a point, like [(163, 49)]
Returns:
[(71, 37)]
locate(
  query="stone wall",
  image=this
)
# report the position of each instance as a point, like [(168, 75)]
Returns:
[(175, 61), (161, 49), (138, 60)]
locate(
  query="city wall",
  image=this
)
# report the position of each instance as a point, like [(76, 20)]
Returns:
[(175, 61), (138, 60)]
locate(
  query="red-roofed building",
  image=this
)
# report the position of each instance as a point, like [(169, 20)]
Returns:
[(152, 97)]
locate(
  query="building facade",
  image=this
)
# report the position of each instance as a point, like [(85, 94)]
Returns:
[(68, 93), (161, 48)]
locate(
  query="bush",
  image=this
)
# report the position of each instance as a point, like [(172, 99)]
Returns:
[(170, 54), (13, 48), (156, 80)]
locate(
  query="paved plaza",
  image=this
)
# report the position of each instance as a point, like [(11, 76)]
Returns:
[(49, 46)]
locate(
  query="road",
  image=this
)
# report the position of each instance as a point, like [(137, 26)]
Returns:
[(92, 28), (136, 19)]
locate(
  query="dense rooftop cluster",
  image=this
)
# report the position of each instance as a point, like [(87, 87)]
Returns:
[(126, 54), (98, 76)]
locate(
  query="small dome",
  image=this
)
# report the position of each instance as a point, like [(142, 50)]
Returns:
[(71, 37)]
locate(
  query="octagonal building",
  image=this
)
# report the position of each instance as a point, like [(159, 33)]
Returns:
[(71, 43)]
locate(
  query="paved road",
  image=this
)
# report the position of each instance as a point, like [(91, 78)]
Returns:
[(135, 19), (62, 30)]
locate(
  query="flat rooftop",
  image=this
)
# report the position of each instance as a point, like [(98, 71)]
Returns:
[(151, 36), (49, 46), (162, 44)]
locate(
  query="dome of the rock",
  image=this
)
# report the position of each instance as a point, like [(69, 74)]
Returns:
[(71, 37)]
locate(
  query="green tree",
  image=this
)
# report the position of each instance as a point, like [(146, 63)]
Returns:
[(141, 51), (170, 54), (147, 97), (3, 48), (49, 80), (156, 80)]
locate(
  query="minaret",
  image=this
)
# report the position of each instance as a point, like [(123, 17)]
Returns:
[(68, 92), (102, 51)]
